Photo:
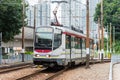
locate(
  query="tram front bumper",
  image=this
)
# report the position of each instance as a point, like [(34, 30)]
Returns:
[(42, 61)]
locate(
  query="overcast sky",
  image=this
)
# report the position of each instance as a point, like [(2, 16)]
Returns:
[(32, 2)]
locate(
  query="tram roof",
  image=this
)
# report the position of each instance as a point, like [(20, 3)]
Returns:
[(70, 31)]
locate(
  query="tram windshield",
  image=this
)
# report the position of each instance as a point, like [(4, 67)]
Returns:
[(45, 39)]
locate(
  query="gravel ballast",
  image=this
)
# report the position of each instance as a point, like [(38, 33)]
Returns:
[(98, 71), (95, 72)]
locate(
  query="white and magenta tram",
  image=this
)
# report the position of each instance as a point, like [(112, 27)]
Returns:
[(59, 46)]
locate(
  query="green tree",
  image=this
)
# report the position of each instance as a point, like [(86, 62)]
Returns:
[(117, 46), (111, 13), (10, 18)]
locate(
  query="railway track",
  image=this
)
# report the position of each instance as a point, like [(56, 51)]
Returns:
[(57, 74), (49, 75), (67, 68), (31, 75), (6, 70), (15, 65)]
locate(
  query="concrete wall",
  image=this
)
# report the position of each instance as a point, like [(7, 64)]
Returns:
[(18, 43)]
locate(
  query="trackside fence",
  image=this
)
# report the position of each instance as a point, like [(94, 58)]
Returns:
[(16, 58), (115, 58)]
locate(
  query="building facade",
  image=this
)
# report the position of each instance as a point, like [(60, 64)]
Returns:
[(93, 25), (69, 13), (39, 15), (15, 46)]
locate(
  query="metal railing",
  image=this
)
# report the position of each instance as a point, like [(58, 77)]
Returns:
[(115, 58), (15, 58)]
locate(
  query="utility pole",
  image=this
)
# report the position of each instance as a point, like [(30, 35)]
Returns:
[(0, 47), (107, 42), (113, 39), (110, 38), (23, 48), (107, 39), (87, 39), (102, 28), (70, 28), (99, 38), (34, 26)]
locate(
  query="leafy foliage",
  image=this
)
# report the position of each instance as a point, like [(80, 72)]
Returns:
[(111, 13), (111, 9), (29, 52), (117, 46), (105, 44), (10, 18)]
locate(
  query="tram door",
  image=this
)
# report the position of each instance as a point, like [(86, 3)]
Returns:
[(81, 47), (72, 47), (68, 48)]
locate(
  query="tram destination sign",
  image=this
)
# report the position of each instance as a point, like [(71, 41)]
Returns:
[(45, 29)]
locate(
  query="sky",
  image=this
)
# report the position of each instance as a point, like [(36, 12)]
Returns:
[(32, 2)]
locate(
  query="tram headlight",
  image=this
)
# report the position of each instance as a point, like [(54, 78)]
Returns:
[(37, 55), (48, 56)]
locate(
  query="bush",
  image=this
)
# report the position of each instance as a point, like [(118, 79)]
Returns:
[(29, 52)]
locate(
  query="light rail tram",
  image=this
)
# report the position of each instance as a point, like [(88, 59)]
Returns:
[(59, 46)]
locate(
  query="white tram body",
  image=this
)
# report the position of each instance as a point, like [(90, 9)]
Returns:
[(59, 46)]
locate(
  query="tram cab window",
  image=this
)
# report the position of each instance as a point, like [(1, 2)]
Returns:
[(42, 41)]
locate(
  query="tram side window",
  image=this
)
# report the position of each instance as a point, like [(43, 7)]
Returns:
[(91, 44), (75, 40), (72, 42), (77, 43), (67, 42), (83, 44)]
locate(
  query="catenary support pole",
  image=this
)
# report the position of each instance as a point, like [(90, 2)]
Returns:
[(110, 39), (87, 40), (102, 28), (0, 47), (99, 38), (23, 48), (34, 26)]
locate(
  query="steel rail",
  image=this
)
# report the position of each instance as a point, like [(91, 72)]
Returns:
[(13, 69), (31, 75), (54, 75), (57, 74), (14, 65)]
